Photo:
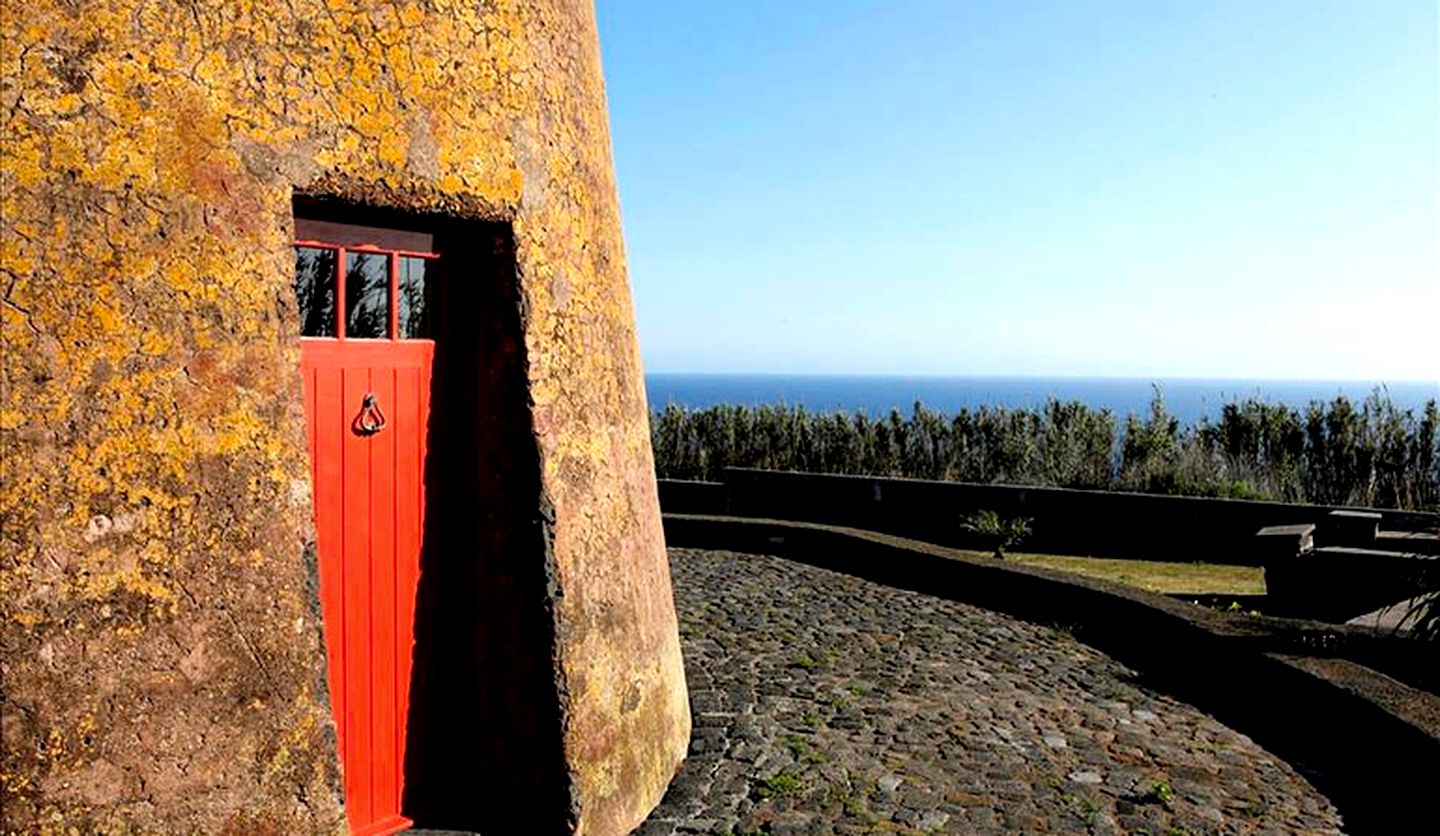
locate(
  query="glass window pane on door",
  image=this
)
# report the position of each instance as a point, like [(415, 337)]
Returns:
[(315, 291), (367, 295), (414, 315)]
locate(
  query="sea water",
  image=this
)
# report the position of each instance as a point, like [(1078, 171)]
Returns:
[(1189, 399)]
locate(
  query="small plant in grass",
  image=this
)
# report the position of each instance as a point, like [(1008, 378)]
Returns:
[(998, 533), (805, 662)]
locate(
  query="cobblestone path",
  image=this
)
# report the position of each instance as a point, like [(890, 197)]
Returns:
[(827, 704)]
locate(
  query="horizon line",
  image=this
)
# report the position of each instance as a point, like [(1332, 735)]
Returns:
[(1376, 381)]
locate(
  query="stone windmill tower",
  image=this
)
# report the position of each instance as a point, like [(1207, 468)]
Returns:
[(328, 498)]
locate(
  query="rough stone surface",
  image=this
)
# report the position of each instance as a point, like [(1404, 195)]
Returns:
[(828, 704), (161, 664)]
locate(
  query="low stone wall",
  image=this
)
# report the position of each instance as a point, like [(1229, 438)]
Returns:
[(1411, 542), (1337, 583), (1310, 692), (1074, 522), (681, 497)]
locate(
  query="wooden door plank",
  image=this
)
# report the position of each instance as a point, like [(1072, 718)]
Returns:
[(358, 618), (384, 763), (328, 429)]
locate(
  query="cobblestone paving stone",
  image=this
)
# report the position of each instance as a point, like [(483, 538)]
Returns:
[(827, 704)]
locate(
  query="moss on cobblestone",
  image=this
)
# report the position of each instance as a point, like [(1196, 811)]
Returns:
[(781, 785)]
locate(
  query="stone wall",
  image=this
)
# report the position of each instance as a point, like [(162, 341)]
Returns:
[(162, 664), (1338, 583), (1065, 521)]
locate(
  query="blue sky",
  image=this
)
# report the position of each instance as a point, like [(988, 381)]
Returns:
[(1206, 188)]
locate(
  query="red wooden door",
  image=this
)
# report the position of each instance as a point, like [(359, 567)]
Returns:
[(366, 362)]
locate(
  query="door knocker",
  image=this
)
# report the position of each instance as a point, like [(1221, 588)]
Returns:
[(370, 420)]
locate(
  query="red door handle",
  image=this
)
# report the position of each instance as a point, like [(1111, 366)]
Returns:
[(370, 419)]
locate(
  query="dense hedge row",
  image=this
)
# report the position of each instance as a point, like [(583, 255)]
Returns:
[(1336, 453)]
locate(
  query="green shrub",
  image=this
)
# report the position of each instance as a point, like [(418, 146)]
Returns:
[(1339, 453), (998, 533)]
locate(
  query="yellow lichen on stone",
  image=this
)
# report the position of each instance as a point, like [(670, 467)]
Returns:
[(149, 407)]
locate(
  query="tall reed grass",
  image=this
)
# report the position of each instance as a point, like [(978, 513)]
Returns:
[(1338, 453)]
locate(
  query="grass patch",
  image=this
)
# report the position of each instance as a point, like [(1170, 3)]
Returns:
[(780, 786), (1157, 576), (802, 751), (1085, 807)]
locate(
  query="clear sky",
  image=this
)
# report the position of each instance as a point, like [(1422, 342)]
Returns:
[(1161, 188)]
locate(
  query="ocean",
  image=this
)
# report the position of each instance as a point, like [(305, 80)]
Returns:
[(1189, 399)]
